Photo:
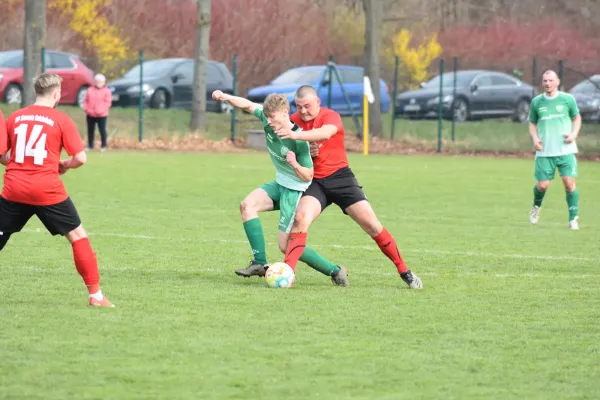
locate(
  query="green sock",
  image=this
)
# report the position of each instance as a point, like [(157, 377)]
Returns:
[(538, 196), (573, 202), (317, 262), (254, 232)]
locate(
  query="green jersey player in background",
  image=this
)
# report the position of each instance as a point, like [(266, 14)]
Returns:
[(554, 123), (294, 173)]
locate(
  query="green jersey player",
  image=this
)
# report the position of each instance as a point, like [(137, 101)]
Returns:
[(554, 123), (293, 174)]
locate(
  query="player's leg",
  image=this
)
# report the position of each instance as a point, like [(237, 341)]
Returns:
[(311, 204), (63, 219), (13, 217), (545, 169), (567, 169), (288, 205), (91, 127), (362, 213), (259, 200)]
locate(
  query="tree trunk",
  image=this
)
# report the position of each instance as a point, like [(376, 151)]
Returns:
[(35, 37), (374, 17), (202, 50)]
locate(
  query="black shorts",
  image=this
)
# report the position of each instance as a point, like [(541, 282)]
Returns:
[(340, 188), (59, 219)]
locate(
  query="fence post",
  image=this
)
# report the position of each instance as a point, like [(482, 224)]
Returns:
[(394, 94), (455, 68), (440, 106), (534, 76), (141, 106), (43, 59), (561, 66), (330, 77), (233, 120)]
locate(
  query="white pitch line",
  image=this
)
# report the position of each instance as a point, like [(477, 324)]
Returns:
[(347, 247)]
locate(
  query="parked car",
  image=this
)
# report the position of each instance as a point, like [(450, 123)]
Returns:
[(316, 76), (169, 83), (587, 96), (479, 94), (76, 76)]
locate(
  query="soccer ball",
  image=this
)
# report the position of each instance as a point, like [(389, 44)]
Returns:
[(280, 275)]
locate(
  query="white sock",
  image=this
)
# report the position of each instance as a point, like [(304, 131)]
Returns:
[(98, 295)]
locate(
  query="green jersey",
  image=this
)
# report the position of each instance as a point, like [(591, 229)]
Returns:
[(278, 149), (554, 119)]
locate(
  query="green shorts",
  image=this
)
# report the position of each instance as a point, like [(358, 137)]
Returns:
[(286, 201), (545, 167)]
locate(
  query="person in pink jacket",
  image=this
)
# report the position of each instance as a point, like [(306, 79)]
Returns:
[(96, 104)]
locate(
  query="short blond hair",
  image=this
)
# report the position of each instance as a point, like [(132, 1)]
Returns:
[(275, 102), (45, 83)]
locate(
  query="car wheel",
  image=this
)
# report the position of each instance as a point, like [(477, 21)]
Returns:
[(461, 110), (81, 96), (159, 100), (521, 111), (225, 107), (13, 94)]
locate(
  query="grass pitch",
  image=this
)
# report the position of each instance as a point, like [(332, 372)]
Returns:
[(509, 310)]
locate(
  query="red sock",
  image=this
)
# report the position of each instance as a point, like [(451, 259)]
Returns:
[(388, 246), (295, 247), (86, 264)]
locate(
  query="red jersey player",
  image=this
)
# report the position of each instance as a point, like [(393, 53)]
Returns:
[(31, 142), (333, 182)]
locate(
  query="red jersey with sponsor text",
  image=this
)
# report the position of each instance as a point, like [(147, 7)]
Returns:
[(332, 152), (35, 136)]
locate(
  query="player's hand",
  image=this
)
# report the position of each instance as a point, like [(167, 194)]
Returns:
[(570, 138), (314, 149), (537, 144), (286, 134), (218, 95), (62, 167), (291, 158)]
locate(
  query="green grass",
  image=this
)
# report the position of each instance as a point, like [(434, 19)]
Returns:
[(509, 310), (488, 135)]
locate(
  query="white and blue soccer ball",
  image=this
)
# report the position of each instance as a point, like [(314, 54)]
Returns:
[(280, 275)]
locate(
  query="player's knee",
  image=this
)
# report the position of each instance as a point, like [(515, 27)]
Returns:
[(246, 207), (543, 186), (570, 186), (302, 221)]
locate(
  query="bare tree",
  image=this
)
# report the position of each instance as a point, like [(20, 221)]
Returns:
[(374, 19), (202, 50), (35, 37)]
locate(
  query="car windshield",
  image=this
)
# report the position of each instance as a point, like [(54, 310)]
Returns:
[(461, 80), (587, 86), (299, 75), (11, 59), (152, 68)]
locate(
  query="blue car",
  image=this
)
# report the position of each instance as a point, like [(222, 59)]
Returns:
[(317, 76)]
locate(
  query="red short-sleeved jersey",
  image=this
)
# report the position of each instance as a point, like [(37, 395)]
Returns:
[(332, 152), (35, 136)]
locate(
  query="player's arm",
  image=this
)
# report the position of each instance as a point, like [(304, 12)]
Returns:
[(533, 132), (73, 145), (237, 102), (576, 117), (304, 173), (4, 146), (332, 124)]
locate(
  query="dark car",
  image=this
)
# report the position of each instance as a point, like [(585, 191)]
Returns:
[(169, 83), (76, 76), (479, 94), (587, 96)]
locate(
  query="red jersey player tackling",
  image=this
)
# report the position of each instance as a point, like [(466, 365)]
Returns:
[(333, 182), (31, 142)]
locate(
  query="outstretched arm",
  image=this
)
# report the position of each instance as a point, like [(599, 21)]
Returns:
[(237, 102)]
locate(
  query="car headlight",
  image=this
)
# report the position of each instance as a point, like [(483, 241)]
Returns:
[(136, 89), (446, 99), (112, 89), (595, 103)]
